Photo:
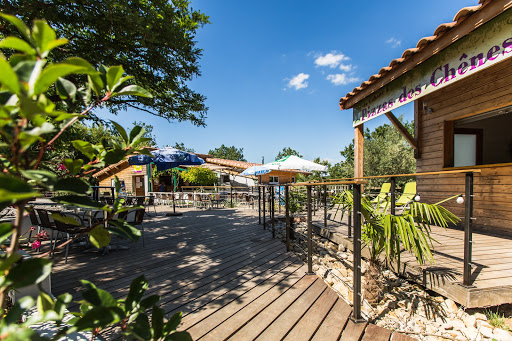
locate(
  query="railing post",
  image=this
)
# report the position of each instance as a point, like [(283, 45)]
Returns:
[(259, 205), (310, 232), (279, 199), (273, 210), (349, 227), (393, 196), (314, 203), (264, 211), (231, 196), (287, 217), (468, 229), (325, 205), (357, 254)]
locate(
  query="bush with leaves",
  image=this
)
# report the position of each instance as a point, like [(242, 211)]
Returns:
[(199, 176), (30, 124), (386, 234)]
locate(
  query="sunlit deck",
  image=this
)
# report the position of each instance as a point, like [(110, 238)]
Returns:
[(491, 271), (227, 275)]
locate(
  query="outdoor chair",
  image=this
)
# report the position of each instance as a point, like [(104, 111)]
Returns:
[(47, 224), (34, 222), (70, 230), (151, 202), (407, 196), (216, 200), (135, 218), (128, 201), (140, 201), (383, 194)]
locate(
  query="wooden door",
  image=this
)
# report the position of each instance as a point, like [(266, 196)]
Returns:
[(138, 185)]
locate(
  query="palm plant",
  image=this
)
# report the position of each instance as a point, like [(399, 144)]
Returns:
[(385, 234)]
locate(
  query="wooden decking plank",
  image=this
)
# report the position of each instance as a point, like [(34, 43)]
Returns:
[(189, 280), (234, 288), (334, 323), (236, 326), (310, 322), (353, 331), (278, 329), (376, 333), (214, 313), (141, 267), (179, 296)]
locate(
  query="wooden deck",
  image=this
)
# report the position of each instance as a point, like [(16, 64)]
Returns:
[(492, 263), (227, 275)]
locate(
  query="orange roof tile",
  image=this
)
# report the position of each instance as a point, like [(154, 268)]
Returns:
[(461, 15)]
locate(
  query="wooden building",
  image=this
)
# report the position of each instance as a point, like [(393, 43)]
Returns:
[(460, 80), (136, 179)]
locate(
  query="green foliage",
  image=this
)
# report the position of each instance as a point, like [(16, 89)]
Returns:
[(181, 146), (30, 126), (286, 152), (199, 176), (228, 153), (496, 319), (296, 200), (385, 152), (154, 40), (388, 234)]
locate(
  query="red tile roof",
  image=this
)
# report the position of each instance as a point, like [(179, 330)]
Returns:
[(460, 17)]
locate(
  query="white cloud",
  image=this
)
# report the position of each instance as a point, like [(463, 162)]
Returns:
[(394, 42), (299, 81), (346, 68), (331, 59), (341, 79)]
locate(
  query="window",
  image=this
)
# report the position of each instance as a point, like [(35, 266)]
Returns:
[(224, 178), (273, 180), (293, 179), (482, 139)]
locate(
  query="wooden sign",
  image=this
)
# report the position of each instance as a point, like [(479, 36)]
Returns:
[(487, 45)]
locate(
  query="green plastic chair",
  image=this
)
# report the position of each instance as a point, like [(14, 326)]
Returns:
[(384, 190), (408, 194)]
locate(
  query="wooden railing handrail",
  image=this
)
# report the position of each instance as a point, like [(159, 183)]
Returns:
[(355, 182), (416, 174), (215, 187)]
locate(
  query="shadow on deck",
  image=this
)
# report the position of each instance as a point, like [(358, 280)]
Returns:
[(227, 275)]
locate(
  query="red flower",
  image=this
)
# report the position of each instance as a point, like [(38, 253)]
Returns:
[(36, 244)]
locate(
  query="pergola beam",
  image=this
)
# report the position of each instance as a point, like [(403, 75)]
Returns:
[(396, 122)]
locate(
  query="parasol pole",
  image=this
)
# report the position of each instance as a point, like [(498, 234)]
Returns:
[(172, 191)]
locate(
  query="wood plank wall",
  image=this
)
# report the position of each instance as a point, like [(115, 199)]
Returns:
[(487, 90), (284, 177), (123, 172)]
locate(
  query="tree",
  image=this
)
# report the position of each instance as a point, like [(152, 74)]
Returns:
[(31, 125), (199, 176), (287, 151), (154, 40), (228, 153), (385, 152), (181, 146)]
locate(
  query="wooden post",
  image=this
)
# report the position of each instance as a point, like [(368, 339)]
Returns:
[(357, 299), (349, 227), (287, 216), (325, 205), (358, 150), (259, 205), (264, 213), (468, 230), (310, 232), (231, 195)]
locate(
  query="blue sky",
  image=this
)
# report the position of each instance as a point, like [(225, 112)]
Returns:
[(273, 71)]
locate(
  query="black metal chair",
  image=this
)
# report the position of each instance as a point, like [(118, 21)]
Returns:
[(46, 223), (151, 202), (69, 229), (135, 218)]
